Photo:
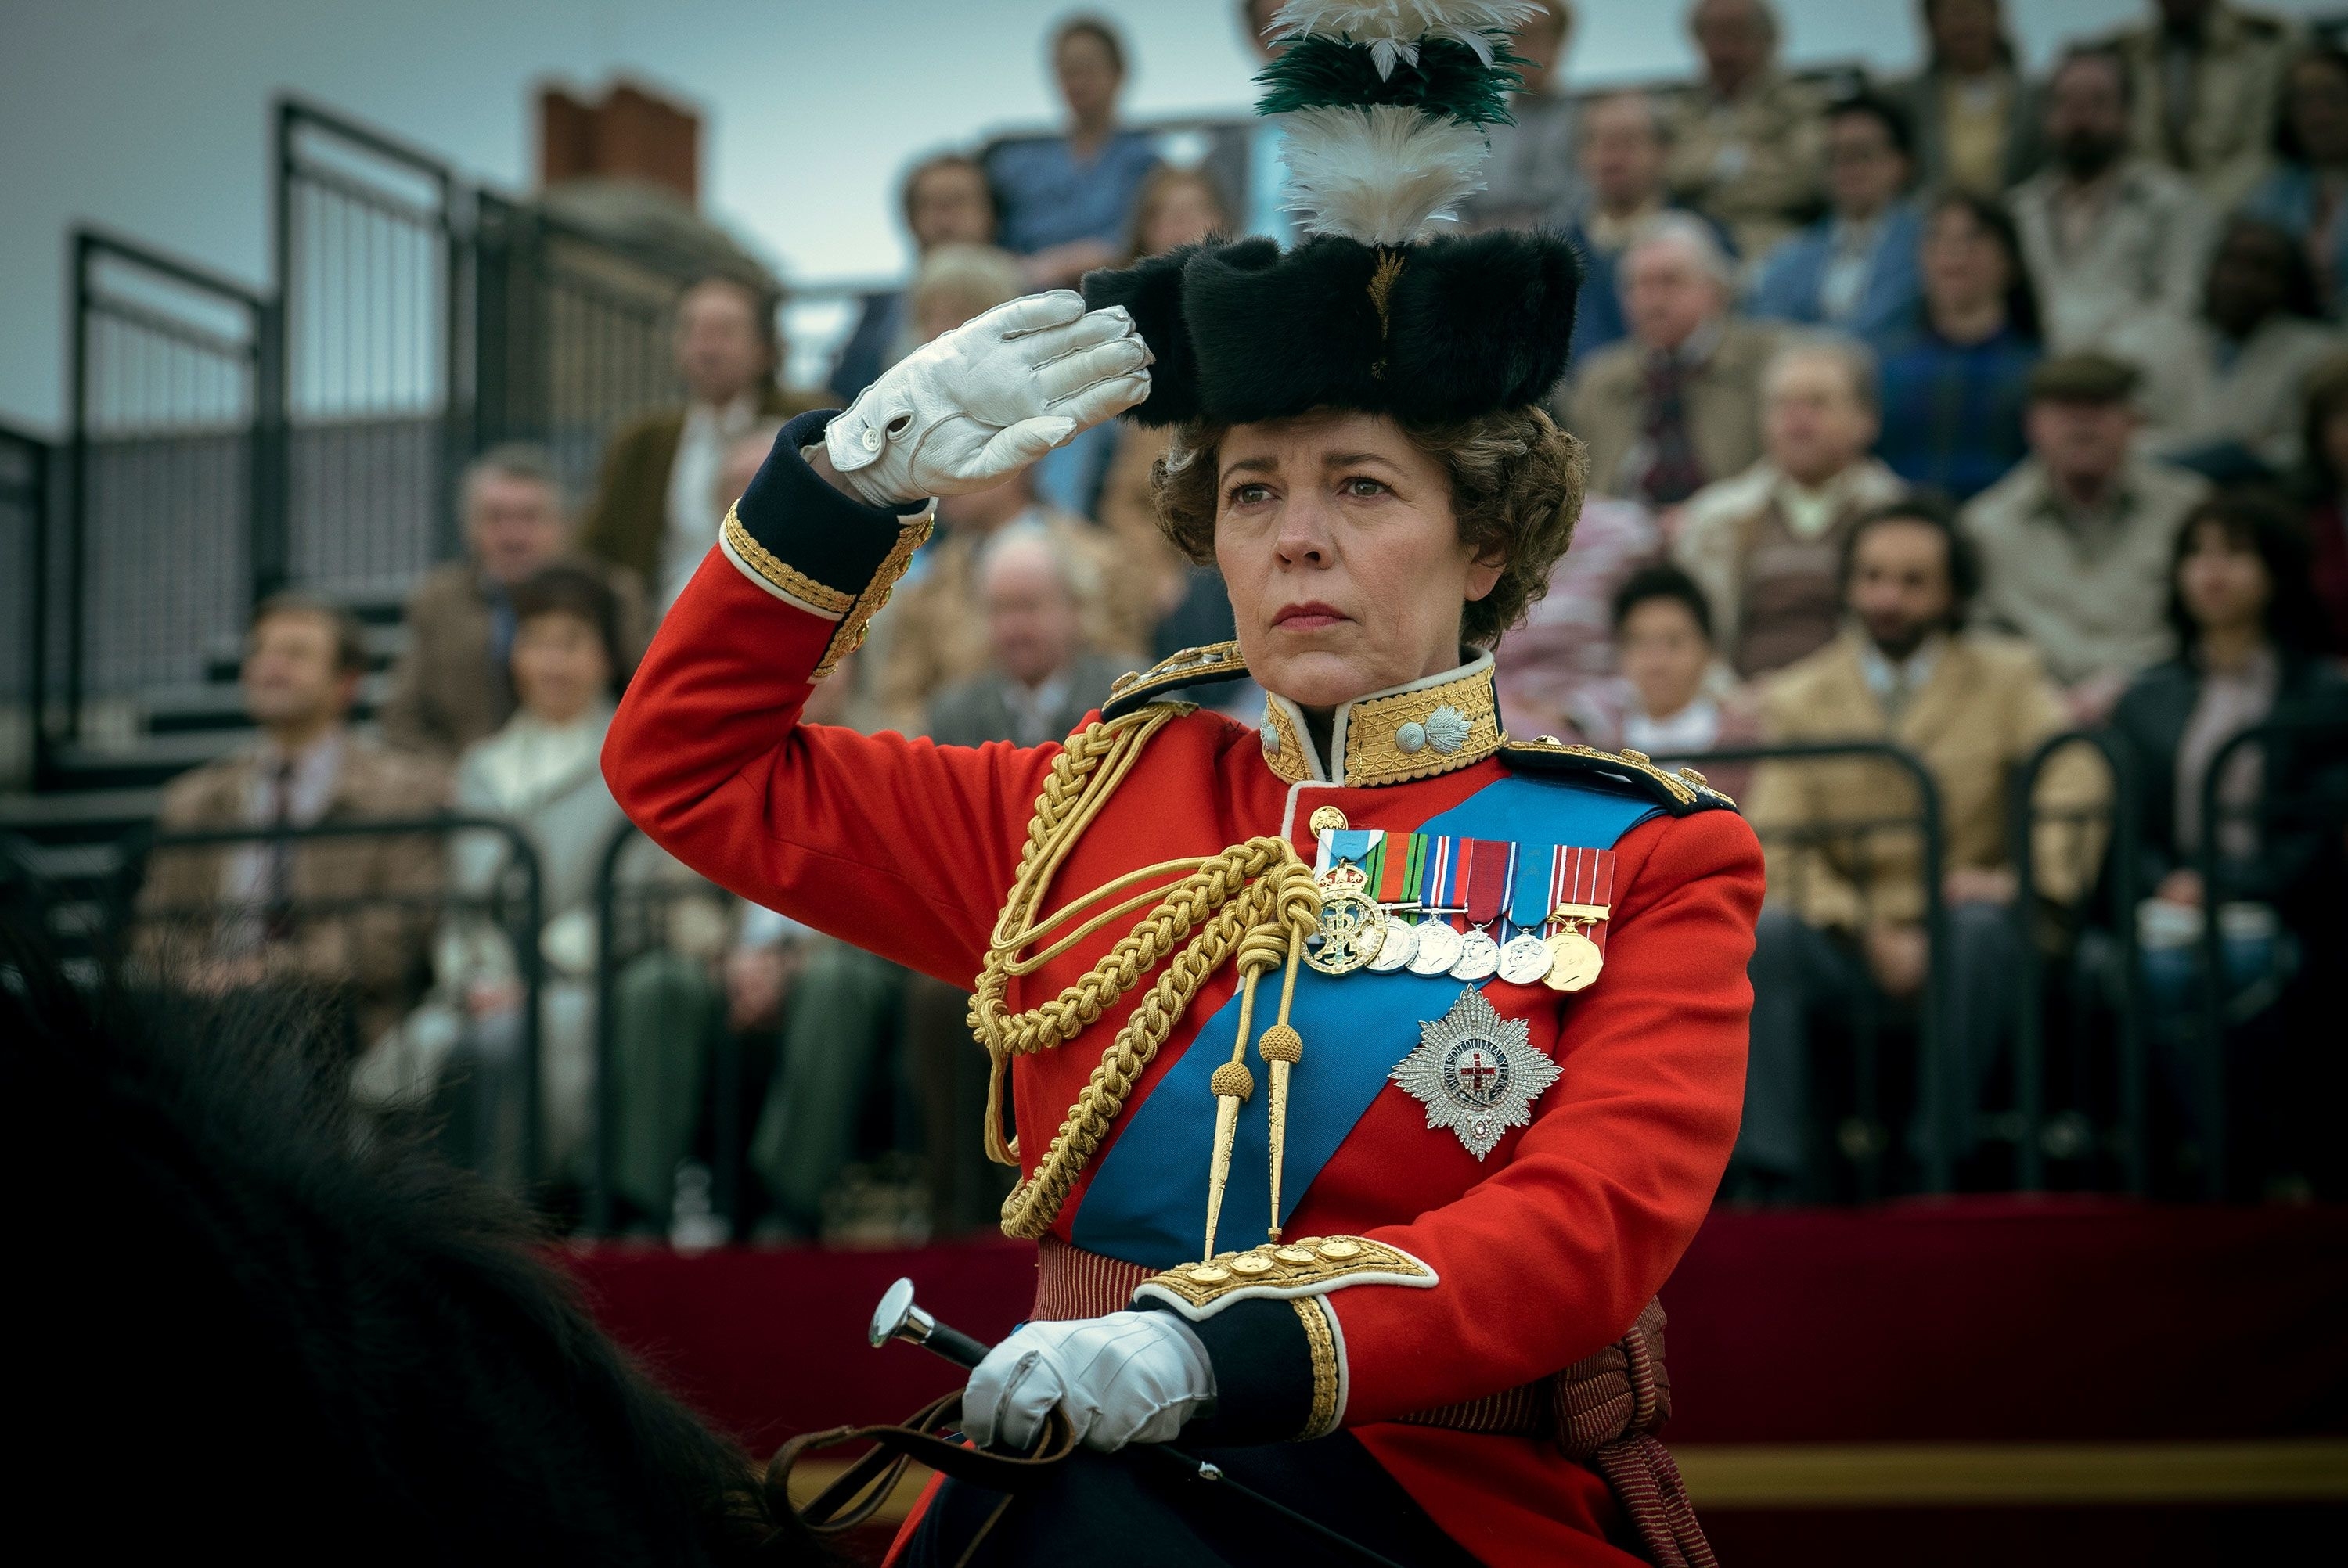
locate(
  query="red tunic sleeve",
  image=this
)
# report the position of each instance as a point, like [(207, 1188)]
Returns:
[(899, 846)]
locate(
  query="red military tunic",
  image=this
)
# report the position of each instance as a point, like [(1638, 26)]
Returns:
[(1544, 1252)]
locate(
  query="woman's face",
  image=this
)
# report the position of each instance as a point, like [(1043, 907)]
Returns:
[(1664, 654), (1185, 212), (2316, 99), (1344, 563), (1966, 34), (560, 668), (2222, 580), (1089, 77), (1963, 264)]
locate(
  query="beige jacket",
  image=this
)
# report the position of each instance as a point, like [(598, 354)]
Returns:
[(1753, 164), (1607, 408), (1979, 713), (2235, 93), (380, 951), (2091, 595), (2145, 254), (1717, 527), (936, 625)]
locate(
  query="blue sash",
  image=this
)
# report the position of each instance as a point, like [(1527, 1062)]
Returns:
[(1148, 1200)]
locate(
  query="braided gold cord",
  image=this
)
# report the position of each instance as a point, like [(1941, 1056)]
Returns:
[(1247, 899)]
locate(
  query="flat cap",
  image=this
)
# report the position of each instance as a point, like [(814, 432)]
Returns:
[(2084, 377)]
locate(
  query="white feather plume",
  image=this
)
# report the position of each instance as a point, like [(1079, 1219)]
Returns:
[(1378, 175), (1392, 30)]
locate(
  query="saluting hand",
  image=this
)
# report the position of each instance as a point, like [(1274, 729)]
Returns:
[(965, 409)]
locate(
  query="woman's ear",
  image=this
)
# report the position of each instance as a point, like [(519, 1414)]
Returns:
[(1484, 572)]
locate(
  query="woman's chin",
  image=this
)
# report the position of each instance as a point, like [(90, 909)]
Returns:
[(1315, 679)]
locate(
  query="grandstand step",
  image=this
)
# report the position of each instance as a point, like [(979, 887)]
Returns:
[(78, 816), (154, 760)]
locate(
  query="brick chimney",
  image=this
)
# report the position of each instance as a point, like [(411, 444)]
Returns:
[(630, 134)]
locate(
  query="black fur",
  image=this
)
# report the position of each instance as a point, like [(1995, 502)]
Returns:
[(1474, 322), (243, 1322)]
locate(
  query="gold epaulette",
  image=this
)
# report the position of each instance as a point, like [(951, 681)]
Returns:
[(1314, 1265), (1682, 791), (1190, 667)]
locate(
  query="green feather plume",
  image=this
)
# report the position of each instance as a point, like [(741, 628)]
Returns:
[(1448, 81)]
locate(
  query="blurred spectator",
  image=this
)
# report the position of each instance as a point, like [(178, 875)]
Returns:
[(1065, 198), (1622, 147), (2303, 197), (1675, 404), (1746, 140), (652, 512), (543, 772), (1177, 207), (1855, 269), (1530, 181), (2208, 79), (2323, 480), (956, 283), (1245, 156), (947, 201), (1556, 673), (939, 636), (1039, 683), (1956, 376), (1766, 546), (2110, 239), (451, 686), (2242, 372), (2249, 633), (2075, 540), (299, 915), (1978, 123), (1846, 921), (1676, 699)]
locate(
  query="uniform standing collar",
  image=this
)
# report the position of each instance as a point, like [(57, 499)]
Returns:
[(1432, 725)]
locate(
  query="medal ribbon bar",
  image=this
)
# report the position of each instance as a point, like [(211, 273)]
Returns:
[(1582, 889)]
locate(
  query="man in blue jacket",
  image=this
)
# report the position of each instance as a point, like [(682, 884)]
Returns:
[(1855, 269)]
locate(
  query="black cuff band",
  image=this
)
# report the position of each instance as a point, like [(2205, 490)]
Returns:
[(1264, 1372), (799, 517)]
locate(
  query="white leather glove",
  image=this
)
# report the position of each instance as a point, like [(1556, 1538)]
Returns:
[(1130, 1377), (996, 393)]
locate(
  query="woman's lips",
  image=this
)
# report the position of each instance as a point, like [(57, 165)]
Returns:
[(1311, 616)]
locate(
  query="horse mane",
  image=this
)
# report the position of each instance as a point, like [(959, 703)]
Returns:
[(248, 1317)]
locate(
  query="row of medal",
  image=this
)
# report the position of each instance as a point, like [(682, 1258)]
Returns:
[(1467, 908)]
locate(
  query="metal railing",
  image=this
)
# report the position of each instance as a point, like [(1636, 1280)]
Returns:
[(25, 654), (174, 516)]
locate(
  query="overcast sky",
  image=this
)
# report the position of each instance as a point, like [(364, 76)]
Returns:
[(149, 116)]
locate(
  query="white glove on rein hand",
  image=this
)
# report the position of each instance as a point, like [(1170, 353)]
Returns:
[(965, 409), (1130, 1377)]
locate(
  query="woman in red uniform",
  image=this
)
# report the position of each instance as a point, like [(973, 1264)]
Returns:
[(1371, 1068)]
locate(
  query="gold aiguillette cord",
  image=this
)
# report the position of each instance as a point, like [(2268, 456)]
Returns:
[(1282, 1048)]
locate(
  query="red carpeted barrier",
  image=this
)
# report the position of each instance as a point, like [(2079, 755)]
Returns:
[(1978, 1320)]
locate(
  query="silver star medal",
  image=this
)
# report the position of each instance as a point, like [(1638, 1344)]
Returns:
[(1476, 1072)]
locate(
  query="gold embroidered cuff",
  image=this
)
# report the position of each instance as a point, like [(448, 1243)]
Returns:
[(1328, 1404), (779, 575), (1283, 1271), (849, 635)]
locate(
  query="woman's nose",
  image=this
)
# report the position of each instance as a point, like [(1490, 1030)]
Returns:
[(1303, 535)]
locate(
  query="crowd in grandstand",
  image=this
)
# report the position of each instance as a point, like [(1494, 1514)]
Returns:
[(1959, 412)]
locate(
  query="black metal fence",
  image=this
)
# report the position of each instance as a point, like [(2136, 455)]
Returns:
[(24, 558)]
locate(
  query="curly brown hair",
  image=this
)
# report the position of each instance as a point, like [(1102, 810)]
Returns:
[(1515, 486)]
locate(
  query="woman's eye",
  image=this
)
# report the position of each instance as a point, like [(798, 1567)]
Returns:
[(1249, 494), (1361, 484)]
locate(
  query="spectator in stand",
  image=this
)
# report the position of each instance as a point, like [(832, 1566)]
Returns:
[(1177, 207), (1675, 404), (1675, 700), (2077, 539), (947, 201), (1065, 198), (2305, 197), (2245, 362), (2250, 634), (2324, 484), (1745, 141), (1530, 181), (1556, 673), (1957, 374), (1244, 157), (1767, 545), (334, 919), (1622, 148), (1845, 923), (542, 771), (1977, 122), (959, 282), (1854, 270), (2111, 240), (652, 512), (451, 686), (1039, 683), (2209, 87)]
